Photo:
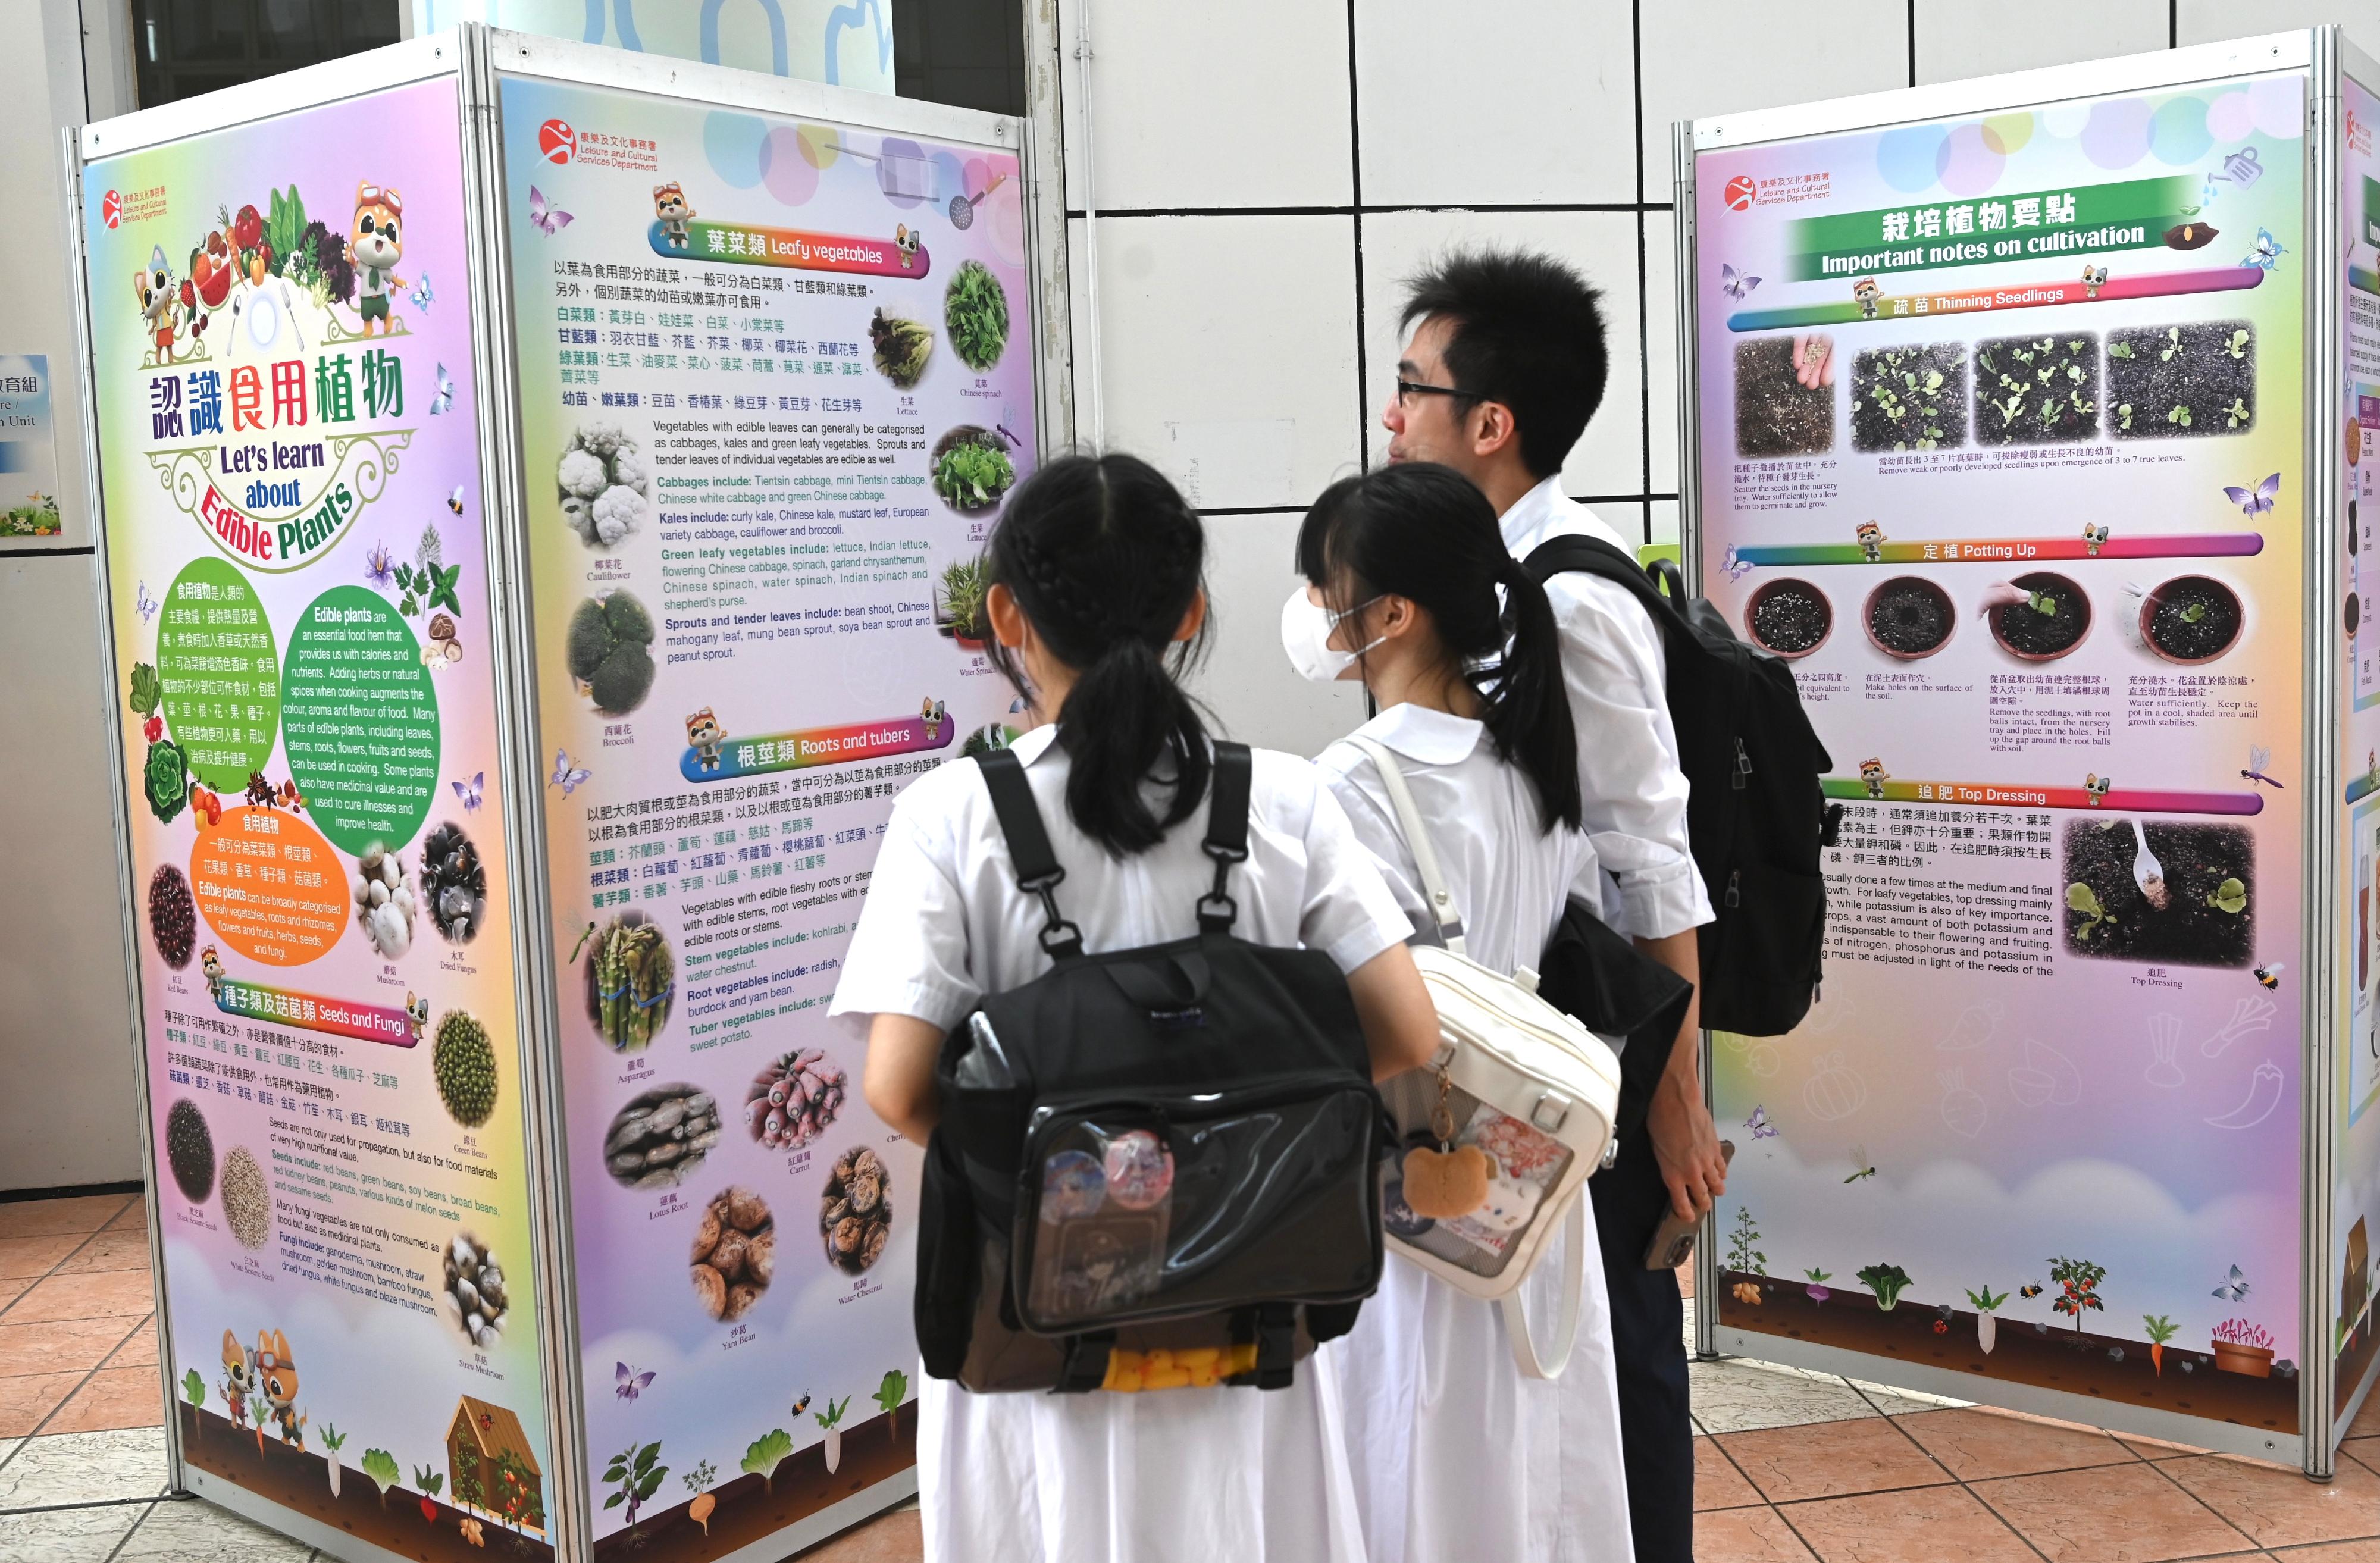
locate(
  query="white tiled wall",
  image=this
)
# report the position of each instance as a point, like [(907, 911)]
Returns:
[(1275, 169)]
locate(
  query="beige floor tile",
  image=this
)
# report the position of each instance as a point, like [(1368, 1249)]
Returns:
[(58, 1345), (2367, 1418), (84, 1468), (1717, 1484), (1977, 1445), (101, 1294), (1830, 1459), (2364, 1551), (25, 1402), (31, 1257), (111, 1398), (2110, 1514), (2277, 1507), (46, 1217), (1929, 1525), (192, 1531), (135, 1218), (1738, 1397), (1746, 1536), (897, 1537), (68, 1535), (140, 1348), (109, 1251)]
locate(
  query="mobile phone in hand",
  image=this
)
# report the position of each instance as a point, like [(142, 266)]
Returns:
[(1674, 1241)]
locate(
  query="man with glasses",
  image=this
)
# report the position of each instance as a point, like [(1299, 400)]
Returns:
[(1505, 365)]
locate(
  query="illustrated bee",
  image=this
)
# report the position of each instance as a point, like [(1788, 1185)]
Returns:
[(2270, 975), (801, 1405), (2032, 1290)]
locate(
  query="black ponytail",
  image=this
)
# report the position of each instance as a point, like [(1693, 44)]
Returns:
[(1426, 533), (1106, 558)]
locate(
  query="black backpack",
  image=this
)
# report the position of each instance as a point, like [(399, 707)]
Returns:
[(1757, 815), (1155, 1167)]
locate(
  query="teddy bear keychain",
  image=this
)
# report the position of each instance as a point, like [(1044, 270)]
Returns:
[(1447, 1180)]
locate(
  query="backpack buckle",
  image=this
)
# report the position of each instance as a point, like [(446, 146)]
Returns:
[(1217, 910)]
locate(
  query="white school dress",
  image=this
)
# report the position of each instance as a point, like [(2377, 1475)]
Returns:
[(1197, 1475), (1454, 1454)]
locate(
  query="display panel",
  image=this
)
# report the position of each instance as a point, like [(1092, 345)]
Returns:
[(2352, 1270), (295, 577), (776, 379), (2001, 443)]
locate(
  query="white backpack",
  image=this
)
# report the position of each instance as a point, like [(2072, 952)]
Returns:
[(1526, 1086)]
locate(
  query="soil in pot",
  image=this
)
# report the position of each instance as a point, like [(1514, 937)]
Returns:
[(1790, 618), (2036, 636), (1910, 398), (1909, 616), (2037, 390), (2173, 382), (1775, 413), (2190, 619), (2110, 918)]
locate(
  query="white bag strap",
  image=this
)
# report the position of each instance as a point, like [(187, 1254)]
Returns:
[(1416, 834), (1516, 1315)]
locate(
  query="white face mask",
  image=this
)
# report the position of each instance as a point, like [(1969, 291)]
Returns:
[(1306, 630)]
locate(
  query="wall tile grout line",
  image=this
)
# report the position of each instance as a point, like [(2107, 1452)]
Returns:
[(1355, 195)]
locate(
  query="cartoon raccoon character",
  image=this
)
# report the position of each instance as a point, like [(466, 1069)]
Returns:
[(1872, 772), (905, 240), (2093, 279), (1871, 542), (2095, 538), (703, 735), (1865, 292), (670, 206), (212, 963), (239, 1378), (155, 289), (374, 249), (278, 1373)]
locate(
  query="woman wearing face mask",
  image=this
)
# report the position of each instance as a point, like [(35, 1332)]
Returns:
[(1412, 591), (1097, 599)]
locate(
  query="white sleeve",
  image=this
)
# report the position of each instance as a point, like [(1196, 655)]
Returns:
[(908, 955), (1630, 786), (1375, 825), (1347, 911)]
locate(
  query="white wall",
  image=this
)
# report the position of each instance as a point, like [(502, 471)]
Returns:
[(1268, 170), (70, 1117)]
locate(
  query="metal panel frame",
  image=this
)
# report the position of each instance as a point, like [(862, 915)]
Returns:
[(2317, 54)]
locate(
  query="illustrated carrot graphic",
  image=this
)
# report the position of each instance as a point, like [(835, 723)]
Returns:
[(2160, 1330)]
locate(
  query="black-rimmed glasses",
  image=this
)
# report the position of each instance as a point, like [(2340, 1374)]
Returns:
[(1408, 389)]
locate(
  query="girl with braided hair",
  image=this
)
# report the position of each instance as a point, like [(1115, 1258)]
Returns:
[(1097, 600)]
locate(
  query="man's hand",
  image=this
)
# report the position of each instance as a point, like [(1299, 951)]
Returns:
[(1685, 1144)]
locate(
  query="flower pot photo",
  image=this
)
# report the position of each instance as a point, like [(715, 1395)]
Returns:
[(2052, 620), (2190, 619), (2255, 1361), (1788, 618), (1909, 618)]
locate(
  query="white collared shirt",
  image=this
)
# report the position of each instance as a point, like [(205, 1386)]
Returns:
[(1633, 792), (945, 922), (1510, 876)]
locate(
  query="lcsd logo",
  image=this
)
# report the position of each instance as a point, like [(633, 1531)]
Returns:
[(111, 209), (557, 141), (1740, 191)]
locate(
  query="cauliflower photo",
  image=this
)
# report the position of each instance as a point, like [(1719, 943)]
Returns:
[(603, 484)]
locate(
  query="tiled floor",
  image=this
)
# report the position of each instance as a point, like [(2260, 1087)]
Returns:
[(1791, 1467)]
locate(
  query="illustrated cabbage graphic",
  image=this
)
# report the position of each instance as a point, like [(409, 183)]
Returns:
[(166, 780), (609, 651), (147, 690)]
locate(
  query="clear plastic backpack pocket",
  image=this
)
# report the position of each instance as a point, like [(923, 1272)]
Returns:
[(1523, 1166), (1130, 1211)]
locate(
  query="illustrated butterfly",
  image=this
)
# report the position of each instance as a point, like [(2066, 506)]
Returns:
[(1736, 568), (550, 221), (445, 398), (2268, 249), (2234, 1288), (422, 296), (564, 776), (2257, 502), (146, 603), (1734, 283), (628, 1384), (471, 792), (1759, 1125), (455, 499)]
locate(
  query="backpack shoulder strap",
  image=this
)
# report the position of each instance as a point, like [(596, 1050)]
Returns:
[(1226, 831), (1037, 869), (1592, 556), (1416, 834)]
